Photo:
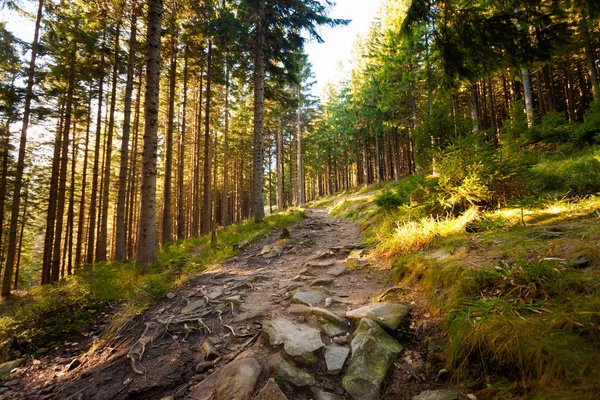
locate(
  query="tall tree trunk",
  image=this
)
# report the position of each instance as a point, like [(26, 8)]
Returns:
[(4, 142), (550, 97), (180, 191), (14, 213), (23, 222), (475, 108), (81, 222), (121, 226), (95, 171), (589, 55), (71, 211), (146, 237), (528, 93), (300, 164), (207, 203), (103, 231), (196, 201), (167, 216), (279, 166), (259, 95), (133, 181), (225, 195)]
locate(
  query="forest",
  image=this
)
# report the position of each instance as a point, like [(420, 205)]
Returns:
[(140, 138)]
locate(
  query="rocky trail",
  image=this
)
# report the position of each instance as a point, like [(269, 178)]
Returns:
[(289, 318)]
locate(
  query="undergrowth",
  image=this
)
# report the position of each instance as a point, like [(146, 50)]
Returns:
[(44, 316)]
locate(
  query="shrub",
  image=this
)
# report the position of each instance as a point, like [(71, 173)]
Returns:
[(589, 131), (552, 128), (388, 201)]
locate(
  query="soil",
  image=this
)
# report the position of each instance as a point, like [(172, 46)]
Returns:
[(172, 350)]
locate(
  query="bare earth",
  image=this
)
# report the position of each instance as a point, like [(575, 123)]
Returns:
[(167, 345)]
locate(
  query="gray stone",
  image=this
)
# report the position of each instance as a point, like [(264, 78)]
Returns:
[(335, 358), (205, 390), (306, 271), (443, 394), (214, 294), (193, 306), (326, 321), (299, 341), (336, 270), (204, 366), (171, 295), (238, 379), (237, 299), (271, 391), (324, 395), (210, 351), (290, 372), (319, 264), (313, 298), (373, 353), (9, 366), (388, 315), (322, 282)]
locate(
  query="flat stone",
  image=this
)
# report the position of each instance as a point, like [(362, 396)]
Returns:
[(210, 351), (388, 315), (335, 358), (319, 264), (9, 366), (238, 379), (205, 390), (214, 294), (299, 341), (271, 391), (237, 299), (324, 395), (313, 298), (290, 372), (193, 306), (322, 282), (204, 366), (336, 270), (171, 295), (306, 271), (329, 323), (443, 394), (373, 353)]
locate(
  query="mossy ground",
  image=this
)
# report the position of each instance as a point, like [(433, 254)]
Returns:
[(43, 316), (518, 319)]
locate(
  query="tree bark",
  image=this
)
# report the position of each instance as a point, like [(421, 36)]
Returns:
[(528, 93), (146, 237), (207, 204), (300, 164), (225, 195), (14, 214), (121, 226), (80, 228), (180, 191), (279, 167), (589, 56), (259, 94), (196, 200)]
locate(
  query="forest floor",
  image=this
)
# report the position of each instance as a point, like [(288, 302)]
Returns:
[(158, 353)]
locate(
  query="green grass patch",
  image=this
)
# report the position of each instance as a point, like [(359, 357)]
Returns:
[(43, 316)]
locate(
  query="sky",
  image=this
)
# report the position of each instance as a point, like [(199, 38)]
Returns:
[(326, 57)]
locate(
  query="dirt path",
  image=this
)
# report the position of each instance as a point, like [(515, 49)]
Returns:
[(226, 306)]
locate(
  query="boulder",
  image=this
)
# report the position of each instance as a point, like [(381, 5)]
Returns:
[(299, 341), (205, 390), (313, 298), (324, 395), (9, 366), (237, 379), (290, 372), (443, 394), (271, 391), (373, 353), (388, 315), (335, 358)]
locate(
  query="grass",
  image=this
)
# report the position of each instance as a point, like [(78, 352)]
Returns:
[(518, 321), (44, 316)]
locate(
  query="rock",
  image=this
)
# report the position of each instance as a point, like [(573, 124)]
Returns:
[(326, 321), (290, 372), (271, 391), (171, 296), (204, 366), (9, 366), (168, 398), (237, 379), (324, 395), (214, 294), (319, 264), (580, 262), (237, 299), (73, 364), (373, 353), (86, 374), (322, 282), (471, 396), (193, 306), (341, 340), (443, 394), (210, 351), (336, 270), (250, 315), (205, 390), (388, 315), (285, 234), (3, 389), (14, 382), (181, 391), (313, 298), (299, 341), (306, 271), (335, 358)]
